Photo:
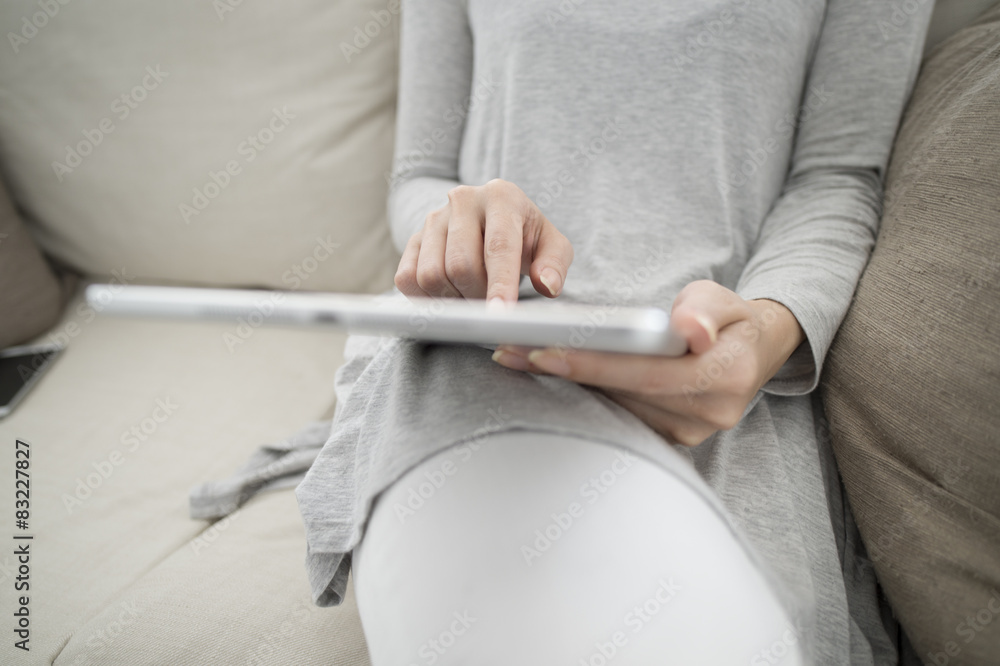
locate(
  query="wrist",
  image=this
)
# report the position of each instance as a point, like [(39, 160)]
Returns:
[(780, 334)]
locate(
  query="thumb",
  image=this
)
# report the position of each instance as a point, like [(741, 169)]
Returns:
[(550, 258), (702, 309)]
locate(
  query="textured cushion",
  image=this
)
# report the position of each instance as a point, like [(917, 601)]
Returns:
[(223, 143), (29, 292), (130, 417), (912, 385)]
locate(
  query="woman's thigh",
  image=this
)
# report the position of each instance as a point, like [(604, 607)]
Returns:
[(542, 549)]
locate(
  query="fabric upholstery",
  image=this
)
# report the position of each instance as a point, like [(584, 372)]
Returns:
[(913, 381), (235, 593), (219, 143), (179, 408)]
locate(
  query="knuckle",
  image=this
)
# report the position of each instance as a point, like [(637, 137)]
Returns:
[(497, 186), (498, 245), (461, 194), (405, 281), (461, 268), (430, 279), (499, 190), (436, 217)]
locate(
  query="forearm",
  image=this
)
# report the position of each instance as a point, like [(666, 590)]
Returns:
[(436, 59)]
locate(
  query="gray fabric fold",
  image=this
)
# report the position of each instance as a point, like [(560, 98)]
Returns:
[(271, 467)]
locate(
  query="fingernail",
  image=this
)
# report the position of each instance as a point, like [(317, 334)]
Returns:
[(512, 361), (495, 303), (549, 362), (550, 278), (709, 327)]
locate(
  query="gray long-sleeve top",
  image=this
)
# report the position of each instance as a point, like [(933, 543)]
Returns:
[(742, 141), (669, 136)]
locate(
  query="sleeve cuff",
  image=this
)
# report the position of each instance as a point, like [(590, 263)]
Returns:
[(800, 373), (410, 202)]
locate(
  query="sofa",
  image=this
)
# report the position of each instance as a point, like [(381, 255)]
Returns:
[(223, 143)]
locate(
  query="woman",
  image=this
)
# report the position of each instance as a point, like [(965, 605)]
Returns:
[(722, 158)]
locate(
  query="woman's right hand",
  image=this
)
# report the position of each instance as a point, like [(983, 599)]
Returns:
[(480, 243)]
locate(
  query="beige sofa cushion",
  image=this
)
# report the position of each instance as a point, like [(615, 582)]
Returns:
[(912, 385), (133, 415), (223, 143)]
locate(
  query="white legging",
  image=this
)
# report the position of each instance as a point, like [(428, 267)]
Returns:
[(543, 549)]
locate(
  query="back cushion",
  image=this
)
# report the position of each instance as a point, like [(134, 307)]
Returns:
[(220, 142), (912, 382)]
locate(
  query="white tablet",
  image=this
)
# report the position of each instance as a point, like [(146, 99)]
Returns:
[(533, 323)]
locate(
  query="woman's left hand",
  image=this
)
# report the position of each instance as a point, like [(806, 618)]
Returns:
[(735, 347)]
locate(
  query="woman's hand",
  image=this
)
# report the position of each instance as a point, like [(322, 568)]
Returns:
[(735, 346), (479, 245)]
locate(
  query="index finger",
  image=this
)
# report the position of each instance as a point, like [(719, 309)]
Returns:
[(503, 239)]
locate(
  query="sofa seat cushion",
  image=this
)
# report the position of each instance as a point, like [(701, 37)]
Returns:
[(133, 415), (234, 594), (912, 385)]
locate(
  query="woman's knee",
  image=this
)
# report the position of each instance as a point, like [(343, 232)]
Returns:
[(537, 548)]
